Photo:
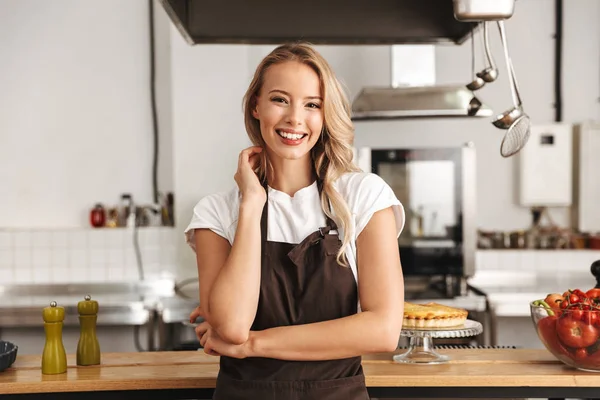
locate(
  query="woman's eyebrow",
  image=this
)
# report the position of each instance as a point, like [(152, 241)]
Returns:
[(289, 95)]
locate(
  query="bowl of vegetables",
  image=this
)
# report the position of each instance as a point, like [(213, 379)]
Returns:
[(568, 325)]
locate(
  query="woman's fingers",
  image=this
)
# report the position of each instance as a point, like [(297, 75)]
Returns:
[(198, 312), (209, 350), (247, 153), (254, 161), (201, 330)]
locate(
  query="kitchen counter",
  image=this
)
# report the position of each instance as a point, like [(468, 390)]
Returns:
[(121, 310), (120, 303), (184, 375)]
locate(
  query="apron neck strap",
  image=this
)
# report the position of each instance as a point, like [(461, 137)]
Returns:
[(330, 222), (331, 225)]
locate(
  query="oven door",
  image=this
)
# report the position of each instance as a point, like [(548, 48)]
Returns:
[(436, 186)]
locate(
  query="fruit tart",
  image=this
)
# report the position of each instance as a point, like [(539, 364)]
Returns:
[(432, 315)]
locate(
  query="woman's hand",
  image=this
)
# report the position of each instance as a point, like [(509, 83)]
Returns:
[(215, 346), (246, 179), (198, 312), (211, 342)]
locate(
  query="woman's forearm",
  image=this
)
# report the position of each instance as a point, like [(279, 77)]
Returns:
[(358, 334), (234, 295)]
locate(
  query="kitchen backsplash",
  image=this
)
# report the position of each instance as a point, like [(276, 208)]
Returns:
[(85, 255), (108, 255)]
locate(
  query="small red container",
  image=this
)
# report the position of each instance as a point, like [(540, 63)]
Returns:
[(98, 216)]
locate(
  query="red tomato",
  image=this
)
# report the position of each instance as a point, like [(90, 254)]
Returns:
[(576, 314), (593, 293), (549, 336), (591, 361), (574, 299), (590, 317), (586, 300), (581, 354), (575, 333)]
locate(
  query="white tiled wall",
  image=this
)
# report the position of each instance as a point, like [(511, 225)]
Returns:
[(85, 255), (534, 270)]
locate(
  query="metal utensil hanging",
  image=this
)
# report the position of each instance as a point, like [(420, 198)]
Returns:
[(477, 82), (515, 120), (490, 72)]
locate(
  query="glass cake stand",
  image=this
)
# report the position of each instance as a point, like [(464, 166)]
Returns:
[(421, 351)]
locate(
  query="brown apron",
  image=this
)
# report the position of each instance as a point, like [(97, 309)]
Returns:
[(300, 284)]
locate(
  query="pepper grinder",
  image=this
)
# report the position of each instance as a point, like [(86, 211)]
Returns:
[(88, 348), (54, 357), (595, 268)]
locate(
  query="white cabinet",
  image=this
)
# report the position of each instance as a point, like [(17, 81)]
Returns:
[(545, 167)]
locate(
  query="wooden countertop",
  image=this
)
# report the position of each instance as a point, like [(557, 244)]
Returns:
[(194, 370)]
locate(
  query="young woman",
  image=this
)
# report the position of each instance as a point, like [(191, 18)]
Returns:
[(298, 265)]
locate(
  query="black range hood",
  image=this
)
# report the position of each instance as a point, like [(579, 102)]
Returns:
[(336, 22)]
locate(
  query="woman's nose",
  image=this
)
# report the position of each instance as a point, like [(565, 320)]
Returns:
[(294, 115)]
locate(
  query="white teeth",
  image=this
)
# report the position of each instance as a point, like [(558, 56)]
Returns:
[(292, 136)]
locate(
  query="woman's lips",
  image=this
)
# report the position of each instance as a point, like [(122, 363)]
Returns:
[(293, 138)]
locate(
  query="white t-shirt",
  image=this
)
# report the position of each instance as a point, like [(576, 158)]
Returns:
[(291, 219)]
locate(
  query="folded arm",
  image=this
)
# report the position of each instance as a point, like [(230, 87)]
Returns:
[(229, 276)]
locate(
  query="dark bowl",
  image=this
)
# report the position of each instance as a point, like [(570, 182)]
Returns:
[(8, 354)]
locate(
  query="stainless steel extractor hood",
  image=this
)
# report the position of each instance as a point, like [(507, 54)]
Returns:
[(415, 102), (342, 22), (413, 92)]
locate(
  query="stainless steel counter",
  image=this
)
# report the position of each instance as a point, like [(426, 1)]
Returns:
[(121, 312), (120, 303)]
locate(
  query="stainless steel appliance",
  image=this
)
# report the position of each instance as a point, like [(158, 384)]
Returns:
[(342, 22), (437, 189)]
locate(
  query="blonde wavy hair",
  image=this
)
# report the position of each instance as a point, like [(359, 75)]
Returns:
[(332, 154)]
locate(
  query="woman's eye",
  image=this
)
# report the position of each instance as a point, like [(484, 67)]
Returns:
[(313, 105), (278, 99)]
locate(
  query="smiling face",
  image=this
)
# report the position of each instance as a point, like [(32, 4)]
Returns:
[(290, 110)]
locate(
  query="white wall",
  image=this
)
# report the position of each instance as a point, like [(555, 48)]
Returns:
[(208, 83), (75, 118)]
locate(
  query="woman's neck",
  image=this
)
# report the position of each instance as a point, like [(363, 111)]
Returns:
[(289, 176)]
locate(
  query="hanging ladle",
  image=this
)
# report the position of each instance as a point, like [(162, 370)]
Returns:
[(477, 82), (474, 106), (514, 121), (508, 117), (490, 72)]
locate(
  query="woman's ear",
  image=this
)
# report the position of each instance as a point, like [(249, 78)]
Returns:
[(255, 108)]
